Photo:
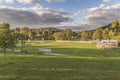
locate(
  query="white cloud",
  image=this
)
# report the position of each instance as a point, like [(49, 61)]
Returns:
[(96, 8), (76, 14), (103, 15), (99, 16), (55, 0), (21, 1), (9, 1), (106, 1), (42, 11)]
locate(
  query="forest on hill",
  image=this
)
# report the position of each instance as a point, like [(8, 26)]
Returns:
[(111, 31)]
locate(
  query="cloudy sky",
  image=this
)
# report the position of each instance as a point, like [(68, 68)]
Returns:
[(74, 14)]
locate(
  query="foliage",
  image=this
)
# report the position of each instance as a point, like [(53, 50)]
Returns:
[(105, 32), (7, 39)]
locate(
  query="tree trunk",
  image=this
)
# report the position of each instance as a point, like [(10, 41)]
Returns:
[(12, 49), (4, 50)]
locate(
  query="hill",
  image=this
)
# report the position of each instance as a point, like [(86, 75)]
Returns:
[(111, 31)]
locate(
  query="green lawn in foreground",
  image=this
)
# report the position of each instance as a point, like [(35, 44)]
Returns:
[(36, 67), (84, 62)]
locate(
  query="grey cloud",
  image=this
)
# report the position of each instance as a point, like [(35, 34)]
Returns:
[(42, 11), (81, 27), (28, 1), (103, 16), (22, 1), (18, 18), (98, 17)]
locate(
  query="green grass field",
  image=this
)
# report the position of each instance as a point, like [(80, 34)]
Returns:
[(82, 61), (74, 49)]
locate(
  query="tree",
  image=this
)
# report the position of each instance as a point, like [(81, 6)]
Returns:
[(39, 36), (13, 41), (97, 34), (90, 33), (25, 31), (45, 35), (22, 41), (7, 39), (84, 35), (68, 34), (105, 34), (30, 35), (59, 36), (111, 34)]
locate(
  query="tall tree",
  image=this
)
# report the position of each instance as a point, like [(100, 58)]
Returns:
[(7, 39), (84, 35), (105, 34), (59, 36), (68, 34), (25, 31), (97, 34)]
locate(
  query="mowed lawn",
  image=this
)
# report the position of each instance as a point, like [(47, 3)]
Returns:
[(73, 49), (79, 63)]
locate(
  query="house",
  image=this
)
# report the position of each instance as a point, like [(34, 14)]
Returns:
[(107, 44)]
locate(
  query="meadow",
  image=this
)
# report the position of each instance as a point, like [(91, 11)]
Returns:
[(80, 61), (73, 49)]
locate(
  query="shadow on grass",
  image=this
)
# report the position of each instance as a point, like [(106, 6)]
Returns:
[(80, 51), (87, 52)]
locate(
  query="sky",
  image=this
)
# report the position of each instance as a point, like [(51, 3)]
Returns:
[(77, 15)]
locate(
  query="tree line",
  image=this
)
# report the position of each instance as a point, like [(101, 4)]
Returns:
[(9, 37), (111, 31)]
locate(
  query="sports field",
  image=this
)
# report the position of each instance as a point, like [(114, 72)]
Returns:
[(79, 61)]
